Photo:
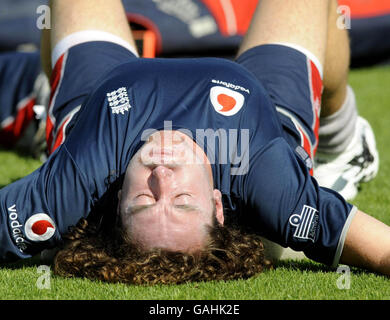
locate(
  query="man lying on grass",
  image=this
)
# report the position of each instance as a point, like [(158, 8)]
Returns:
[(155, 156)]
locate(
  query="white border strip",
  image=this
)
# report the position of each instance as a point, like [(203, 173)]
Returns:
[(343, 235), (87, 36), (53, 101), (66, 120), (299, 128), (316, 112), (307, 53)]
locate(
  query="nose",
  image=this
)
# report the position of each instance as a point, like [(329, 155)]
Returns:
[(162, 172), (161, 179)]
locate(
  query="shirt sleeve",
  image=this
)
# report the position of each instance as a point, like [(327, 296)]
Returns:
[(286, 205), (37, 209)]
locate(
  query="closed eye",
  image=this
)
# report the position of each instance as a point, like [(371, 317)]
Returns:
[(145, 195), (183, 195), (183, 199), (144, 199)]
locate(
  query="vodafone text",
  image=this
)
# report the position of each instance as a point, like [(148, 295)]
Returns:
[(230, 85), (16, 228)]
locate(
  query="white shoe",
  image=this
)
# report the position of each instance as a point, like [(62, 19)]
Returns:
[(359, 162), (275, 252)]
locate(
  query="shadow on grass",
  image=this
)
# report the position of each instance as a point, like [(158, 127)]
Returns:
[(35, 261), (302, 265), (311, 266), (21, 152)]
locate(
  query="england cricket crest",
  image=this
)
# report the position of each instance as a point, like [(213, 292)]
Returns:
[(306, 223), (119, 101)]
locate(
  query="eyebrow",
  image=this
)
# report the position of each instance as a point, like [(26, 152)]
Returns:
[(140, 208), (137, 209), (187, 207)]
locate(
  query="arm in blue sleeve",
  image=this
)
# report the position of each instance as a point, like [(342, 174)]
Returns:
[(287, 206), (37, 209)]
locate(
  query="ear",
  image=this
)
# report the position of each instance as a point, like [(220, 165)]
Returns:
[(219, 206)]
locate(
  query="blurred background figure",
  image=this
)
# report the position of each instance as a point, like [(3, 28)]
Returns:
[(207, 27)]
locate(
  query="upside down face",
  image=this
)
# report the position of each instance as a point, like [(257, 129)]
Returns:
[(167, 199)]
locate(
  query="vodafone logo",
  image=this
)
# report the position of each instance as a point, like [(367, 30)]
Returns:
[(226, 101), (39, 227)]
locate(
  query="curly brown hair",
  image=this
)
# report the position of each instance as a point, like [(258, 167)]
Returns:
[(230, 254)]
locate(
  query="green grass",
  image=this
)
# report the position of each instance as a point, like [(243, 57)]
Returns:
[(288, 280)]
